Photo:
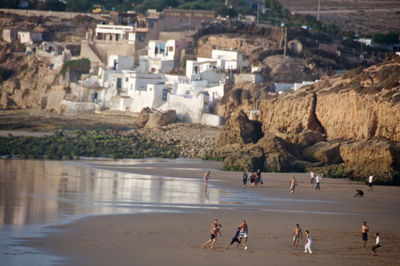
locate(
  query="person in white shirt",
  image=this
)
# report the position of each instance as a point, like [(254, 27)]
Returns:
[(377, 244), (312, 175), (307, 246), (317, 181), (370, 181)]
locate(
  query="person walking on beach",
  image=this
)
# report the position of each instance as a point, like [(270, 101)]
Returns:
[(243, 234), (312, 175), (244, 178), (297, 233), (317, 181), (206, 177), (235, 239), (215, 230), (292, 183), (377, 244), (307, 246), (370, 182), (364, 233)]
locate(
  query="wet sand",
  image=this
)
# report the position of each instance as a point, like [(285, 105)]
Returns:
[(333, 217)]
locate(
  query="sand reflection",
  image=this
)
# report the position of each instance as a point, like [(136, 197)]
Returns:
[(42, 192)]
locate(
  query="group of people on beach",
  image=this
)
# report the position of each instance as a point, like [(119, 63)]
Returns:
[(297, 234), (241, 233), (255, 178), (315, 178), (239, 237)]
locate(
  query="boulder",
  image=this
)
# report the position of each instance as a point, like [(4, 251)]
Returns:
[(144, 116), (249, 159), (326, 152), (277, 155), (167, 117), (380, 158), (239, 129)]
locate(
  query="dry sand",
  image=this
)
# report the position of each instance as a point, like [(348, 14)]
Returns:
[(333, 217)]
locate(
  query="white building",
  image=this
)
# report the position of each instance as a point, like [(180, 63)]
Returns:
[(161, 56)]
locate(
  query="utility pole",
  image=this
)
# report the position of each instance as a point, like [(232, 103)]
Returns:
[(319, 7), (284, 45), (258, 10)]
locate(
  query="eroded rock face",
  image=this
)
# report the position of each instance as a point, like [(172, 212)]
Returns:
[(353, 116), (379, 158), (326, 152), (239, 129), (290, 116)]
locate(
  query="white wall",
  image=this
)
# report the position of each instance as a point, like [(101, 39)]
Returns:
[(211, 120), (151, 97), (123, 62), (187, 109)]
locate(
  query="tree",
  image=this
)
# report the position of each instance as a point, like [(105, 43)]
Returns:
[(54, 5), (388, 38), (9, 3)]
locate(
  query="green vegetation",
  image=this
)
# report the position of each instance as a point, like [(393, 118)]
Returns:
[(80, 65), (233, 168), (388, 38), (87, 143), (212, 158)]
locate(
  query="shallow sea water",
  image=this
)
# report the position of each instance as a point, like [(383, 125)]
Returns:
[(34, 194)]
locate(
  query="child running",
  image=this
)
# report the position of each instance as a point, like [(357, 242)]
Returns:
[(377, 244), (235, 239), (215, 230)]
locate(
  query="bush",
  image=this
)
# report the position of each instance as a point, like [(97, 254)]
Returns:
[(80, 65)]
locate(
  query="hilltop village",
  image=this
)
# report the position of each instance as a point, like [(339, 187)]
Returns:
[(193, 67)]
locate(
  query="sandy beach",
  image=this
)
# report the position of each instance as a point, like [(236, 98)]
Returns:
[(332, 215)]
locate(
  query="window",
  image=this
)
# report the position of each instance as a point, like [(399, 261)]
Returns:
[(126, 79)]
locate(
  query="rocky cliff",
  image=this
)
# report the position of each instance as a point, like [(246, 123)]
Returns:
[(30, 80), (344, 126)]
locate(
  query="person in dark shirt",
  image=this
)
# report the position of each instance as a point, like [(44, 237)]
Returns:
[(235, 239)]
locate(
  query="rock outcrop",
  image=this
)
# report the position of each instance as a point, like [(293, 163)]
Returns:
[(379, 158), (152, 119), (350, 125)]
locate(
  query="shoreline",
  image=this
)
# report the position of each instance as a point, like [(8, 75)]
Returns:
[(176, 238)]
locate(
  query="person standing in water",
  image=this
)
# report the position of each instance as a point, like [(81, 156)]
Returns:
[(307, 246), (364, 233), (297, 233), (206, 177)]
